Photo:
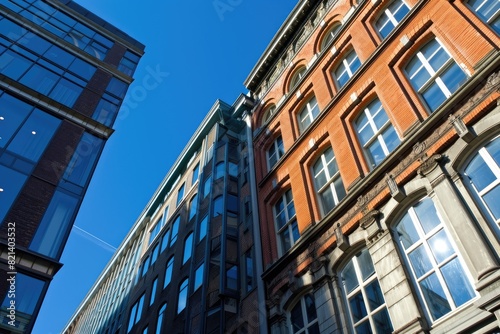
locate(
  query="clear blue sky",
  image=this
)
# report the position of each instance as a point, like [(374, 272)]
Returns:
[(207, 54)]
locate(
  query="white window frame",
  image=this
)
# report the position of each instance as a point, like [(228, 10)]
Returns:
[(307, 112), (377, 132), (389, 16), (345, 66), (290, 221), (362, 288), (488, 20), (277, 150), (331, 34), (330, 180), (423, 241), (495, 169), (307, 325), (297, 76), (435, 76)]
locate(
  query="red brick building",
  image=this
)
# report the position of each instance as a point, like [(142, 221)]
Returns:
[(377, 163)]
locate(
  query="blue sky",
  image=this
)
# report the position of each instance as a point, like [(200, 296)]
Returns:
[(201, 51)]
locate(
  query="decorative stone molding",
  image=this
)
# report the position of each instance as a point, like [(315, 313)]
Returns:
[(413, 326), (394, 189), (461, 129), (371, 224), (428, 165), (342, 241)]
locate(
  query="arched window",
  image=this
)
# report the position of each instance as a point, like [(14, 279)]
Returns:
[(303, 318), (391, 16), (483, 173), (308, 114), (159, 321), (268, 113), (376, 133), (297, 76), (330, 35), (434, 74), (327, 181), (365, 301), (436, 268)]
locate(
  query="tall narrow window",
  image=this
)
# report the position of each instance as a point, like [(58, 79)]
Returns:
[(196, 174), (346, 69), (488, 11), (275, 152), (175, 230), (308, 114), (249, 275), (188, 247), (135, 313), (437, 269), (218, 206), (391, 16), (54, 226), (303, 316), (327, 180), (365, 301), (286, 222), (220, 170), (434, 74), (232, 277), (198, 277), (168, 272), (376, 133), (483, 173), (159, 321), (183, 292), (330, 35), (180, 194), (207, 186), (165, 240), (193, 207), (153, 292), (202, 229), (298, 75)]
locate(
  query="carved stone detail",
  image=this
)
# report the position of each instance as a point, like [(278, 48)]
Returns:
[(342, 241), (429, 164), (371, 224), (396, 193), (461, 129)]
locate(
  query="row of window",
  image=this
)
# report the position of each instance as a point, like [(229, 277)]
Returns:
[(437, 271), (483, 173), (390, 16), (52, 71), (72, 31)]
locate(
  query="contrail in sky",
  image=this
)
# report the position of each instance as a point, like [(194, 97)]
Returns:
[(95, 239)]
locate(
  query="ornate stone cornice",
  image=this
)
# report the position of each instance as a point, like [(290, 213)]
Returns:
[(429, 164)]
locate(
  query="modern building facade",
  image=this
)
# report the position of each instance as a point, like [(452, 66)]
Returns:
[(377, 155), (63, 75), (189, 264)]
